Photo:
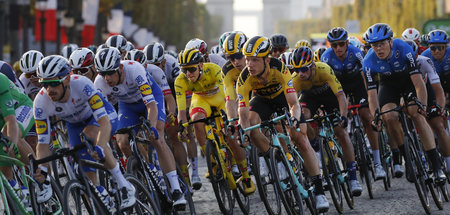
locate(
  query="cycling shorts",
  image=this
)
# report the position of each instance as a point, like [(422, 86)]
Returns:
[(267, 107), (356, 91), (392, 91), (203, 104), (328, 99), (129, 113)]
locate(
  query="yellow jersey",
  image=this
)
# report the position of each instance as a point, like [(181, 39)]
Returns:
[(230, 75), (324, 78)]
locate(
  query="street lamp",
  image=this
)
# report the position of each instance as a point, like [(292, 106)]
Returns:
[(42, 6)]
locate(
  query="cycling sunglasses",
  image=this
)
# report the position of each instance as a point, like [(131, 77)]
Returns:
[(82, 71), (108, 73), (51, 83), (340, 44), (189, 69), (236, 56), (303, 69), (434, 48), (30, 75), (279, 49)]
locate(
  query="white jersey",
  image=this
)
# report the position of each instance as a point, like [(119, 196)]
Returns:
[(28, 87), (160, 77), (172, 68), (84, 102), (217, 59), (135, 86), (426, 67)]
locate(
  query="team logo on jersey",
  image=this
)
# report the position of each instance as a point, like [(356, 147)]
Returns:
[(38, 112), (41, 126), (397, 54), (139, 80), (87, 90), (95, 102), (9, 103), (145, 89), (289, 83), (59, 109)]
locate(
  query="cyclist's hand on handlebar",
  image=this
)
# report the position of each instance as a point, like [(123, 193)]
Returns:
[(376, 125), (182, 133)]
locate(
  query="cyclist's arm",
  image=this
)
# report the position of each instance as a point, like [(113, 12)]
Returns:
[(231, 105), (7, 110), (243, 91), (421, 90), (336, 87), (439, 92), (170, 102), (294, 106), (342, 100), (180, 92), (12, 129), (230, 95), (373, 100)]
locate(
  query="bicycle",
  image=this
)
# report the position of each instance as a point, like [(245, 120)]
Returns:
[(137, 165), (219, 159), (333, 166), (290, 188), (416, 161), (385, 156), (362, 152)]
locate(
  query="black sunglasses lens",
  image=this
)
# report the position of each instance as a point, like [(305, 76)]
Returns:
[(50, 84), (105, 73), (190, 70)]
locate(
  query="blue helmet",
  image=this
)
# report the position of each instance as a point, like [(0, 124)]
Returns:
[(379, 32), (336, 34), (413, 45), (437, 36)]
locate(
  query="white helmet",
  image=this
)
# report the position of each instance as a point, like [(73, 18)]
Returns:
[(285, 58), (154, 53), (355, 42), (117, 41), (68, 49), (197, 44), (136, 55), (30, 61), (81, 58), (53, 66), (411, 34), (107, 59), (130, 46), (215, 50)]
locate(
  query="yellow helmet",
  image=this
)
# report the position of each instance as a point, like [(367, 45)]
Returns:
[(189, 58), (257, 46), (16, 66), (318, 53), (301, 57), (301, 43), (234, 43)]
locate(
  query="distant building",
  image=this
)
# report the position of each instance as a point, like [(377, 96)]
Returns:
[(224, 9)]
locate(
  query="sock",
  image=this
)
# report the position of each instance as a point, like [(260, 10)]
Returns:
[(396, 156), (402, 152), (376, 156), (447, 161), (351, 166), (243, 167), (173, 180), (117, 174), (194, 163), (317, 181), (433, 155), (185, 171)]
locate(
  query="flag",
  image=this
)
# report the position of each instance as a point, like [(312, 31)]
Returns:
[(115, 22), (89, 14), (47, 9)]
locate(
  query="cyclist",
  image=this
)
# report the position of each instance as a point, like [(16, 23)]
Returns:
[(301, 43), (67, 50), (119, 42), (222, 39), (394, 61), (356, 43), (16, 120), (129, 82), (205, 82), (279, 45), (73, 99), (93, 48), (160, 79), (201, 46), (319, 86), (82, 63), (346, 62), (414, 35), (272, 89), (217, 50), (318, 54), (436, 100), (28, 65), (286, 58)]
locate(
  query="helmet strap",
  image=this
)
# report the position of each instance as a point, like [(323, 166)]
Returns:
[(200, 72)]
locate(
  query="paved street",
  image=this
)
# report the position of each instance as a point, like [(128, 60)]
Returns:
[(400, 199)]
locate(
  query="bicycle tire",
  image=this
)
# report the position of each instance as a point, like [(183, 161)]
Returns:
[(187, 194), (363, 160), (76, 189), (291, 197), (242, 199), (385, 159), (55, 200), (218, 181), (302, 177), (144, 200), (265, 185), (330, 176), (436, 194), (411, 162), (444, 191)]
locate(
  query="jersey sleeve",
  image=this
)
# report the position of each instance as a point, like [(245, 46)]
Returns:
[(180, 91), (6, 99), (42, 119), (429, 69), (143, 83), (243, 89), (410, 59), (368, 71), (287, 77), (160, 77), (228, 83)]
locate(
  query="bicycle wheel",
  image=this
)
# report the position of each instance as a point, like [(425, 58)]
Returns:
[(218, 181), (242, 199), (267, 190), (53, 206), (412, 161), (303, 179), (292, 200), (77, 202), (385, 157), (362, 161), (13, 207), (187, 195), (330, 175), (145, 204)]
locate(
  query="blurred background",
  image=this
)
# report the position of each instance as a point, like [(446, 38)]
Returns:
[(47, 25)]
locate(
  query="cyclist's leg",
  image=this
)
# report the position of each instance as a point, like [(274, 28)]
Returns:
[(199, 109), (128, 116), (259, 110)]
